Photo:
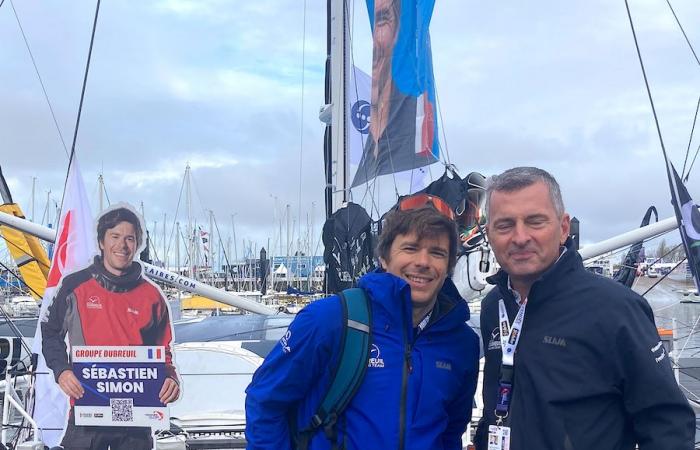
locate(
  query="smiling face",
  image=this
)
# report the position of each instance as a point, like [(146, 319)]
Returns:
[(525, 232), (422, 263), (118, 248)]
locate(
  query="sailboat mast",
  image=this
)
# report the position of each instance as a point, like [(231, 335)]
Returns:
[(335, 139), (190, 231)]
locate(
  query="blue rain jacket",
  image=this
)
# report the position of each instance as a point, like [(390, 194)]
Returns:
[(418, 389)]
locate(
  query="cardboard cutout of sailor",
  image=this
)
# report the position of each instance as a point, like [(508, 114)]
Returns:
[(107, 337)]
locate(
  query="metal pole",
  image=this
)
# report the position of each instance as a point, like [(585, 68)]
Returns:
[(629, 238)]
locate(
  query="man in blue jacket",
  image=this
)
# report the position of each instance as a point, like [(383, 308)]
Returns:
[(418, 389), (573, 360)]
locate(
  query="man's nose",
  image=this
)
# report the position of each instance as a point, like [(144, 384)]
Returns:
[(521, 235), (422, 258)]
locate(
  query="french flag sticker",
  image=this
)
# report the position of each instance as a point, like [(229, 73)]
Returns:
[(154, 354)]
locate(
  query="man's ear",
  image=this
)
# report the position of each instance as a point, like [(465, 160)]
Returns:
[(382, 263)]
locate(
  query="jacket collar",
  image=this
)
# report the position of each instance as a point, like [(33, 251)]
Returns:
[(395, 294), (547, 283), (114, 283)]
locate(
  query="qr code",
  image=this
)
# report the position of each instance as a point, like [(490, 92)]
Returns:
[(122, 409)]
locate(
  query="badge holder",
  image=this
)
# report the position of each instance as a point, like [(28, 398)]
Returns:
[(499, 434)]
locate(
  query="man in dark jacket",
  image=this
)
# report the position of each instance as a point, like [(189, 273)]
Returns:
[(418, 389), (583, 366), (108, 303)]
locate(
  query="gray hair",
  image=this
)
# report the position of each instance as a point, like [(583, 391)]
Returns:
[(521, 177)]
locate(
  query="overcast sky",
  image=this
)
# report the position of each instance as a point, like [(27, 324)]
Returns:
[(218, 84)]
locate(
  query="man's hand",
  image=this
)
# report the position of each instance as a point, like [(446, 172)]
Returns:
[(169, 392), (70, 384)]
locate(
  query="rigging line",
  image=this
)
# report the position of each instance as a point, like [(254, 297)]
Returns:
[(301, 125), (41, 82), (663, 277), (19, 277), (442, 122), (683, 31), (39, 263), (688, 340), (685, 180), (216, 225), (177, 210), (85, 77), (690, 140), (80, 105), (671, 182)]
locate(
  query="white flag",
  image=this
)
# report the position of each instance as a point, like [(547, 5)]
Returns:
[(74, 249)]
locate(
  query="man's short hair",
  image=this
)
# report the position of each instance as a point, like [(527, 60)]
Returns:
[(521, 177), (112, 218), (424, 222)]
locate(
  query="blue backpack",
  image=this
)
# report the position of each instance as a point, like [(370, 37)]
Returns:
[(355, 347)]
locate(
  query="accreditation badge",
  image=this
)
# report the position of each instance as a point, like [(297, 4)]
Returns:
[(499, 438)]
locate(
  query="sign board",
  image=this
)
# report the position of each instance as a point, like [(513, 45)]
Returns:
[(121, 385)]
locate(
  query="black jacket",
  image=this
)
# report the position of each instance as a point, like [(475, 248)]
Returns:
[(590, 372)]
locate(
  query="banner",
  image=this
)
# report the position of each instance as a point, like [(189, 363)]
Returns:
[(74, 248), (359, 114), (121, 385), (403, 125), (688, 224)]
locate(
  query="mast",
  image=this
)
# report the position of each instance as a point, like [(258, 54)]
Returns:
[(335, 138), (165, 239), (210, 249), (177, 247), (190, 231)]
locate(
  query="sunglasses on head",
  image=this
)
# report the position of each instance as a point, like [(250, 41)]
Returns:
[(420, 200)]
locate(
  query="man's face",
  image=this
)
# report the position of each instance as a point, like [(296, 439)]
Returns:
[(385, 24), (118, 248), (525, 232), (422, 263)]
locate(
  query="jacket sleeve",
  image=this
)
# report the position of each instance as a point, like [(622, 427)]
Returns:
[(661, 416), (287, 375), (460, 410), (53, 334)]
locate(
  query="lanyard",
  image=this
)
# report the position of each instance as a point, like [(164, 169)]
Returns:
[(510, 335)]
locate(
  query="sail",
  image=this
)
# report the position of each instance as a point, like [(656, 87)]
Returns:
[(28, 254), (628, 271), (688, 217), (403, 124)]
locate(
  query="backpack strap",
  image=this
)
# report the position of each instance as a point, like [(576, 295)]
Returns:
[(355, 347)]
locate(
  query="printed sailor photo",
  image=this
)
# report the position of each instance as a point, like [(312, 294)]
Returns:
[(107, 337)]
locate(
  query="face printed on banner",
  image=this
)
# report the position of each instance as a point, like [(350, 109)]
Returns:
[(119, 247), (386, 25)]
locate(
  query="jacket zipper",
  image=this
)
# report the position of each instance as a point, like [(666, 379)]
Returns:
[(407, 369)]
